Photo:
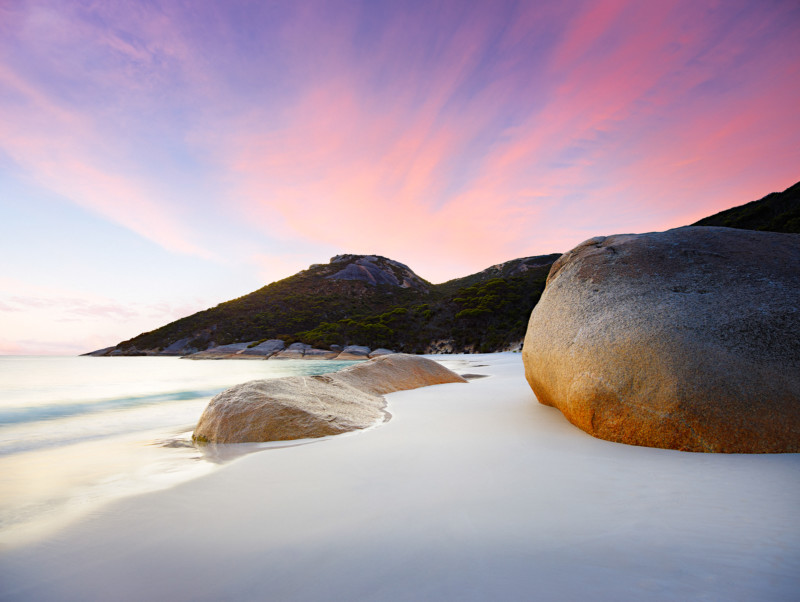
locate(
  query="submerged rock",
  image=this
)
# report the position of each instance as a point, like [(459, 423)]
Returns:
[(300, 407), (687, 339)]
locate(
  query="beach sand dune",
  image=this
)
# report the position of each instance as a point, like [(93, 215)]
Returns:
[(470, 492)]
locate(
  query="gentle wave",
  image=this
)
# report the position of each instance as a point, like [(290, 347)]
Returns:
[(29, 414), (52, 440), (76, 431)]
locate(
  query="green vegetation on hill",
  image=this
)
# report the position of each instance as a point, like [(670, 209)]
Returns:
[(374, 301), (278, 310), (482, 312), (776, 212), (484, 317)]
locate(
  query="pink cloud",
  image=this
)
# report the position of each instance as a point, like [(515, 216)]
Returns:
[(347, 171), (73, 308), (41, 347), (451, 137), (586, 28), (69, 150), (41, 319), (354, 166)]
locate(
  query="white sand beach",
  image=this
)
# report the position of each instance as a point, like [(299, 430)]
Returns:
[(470, 492)]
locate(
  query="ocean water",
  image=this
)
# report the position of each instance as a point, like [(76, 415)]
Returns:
[(76, 432)]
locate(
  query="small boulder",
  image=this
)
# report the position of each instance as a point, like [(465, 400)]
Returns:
[(397, 372), (295, 407), (300, 407), (687, 339), (319, 354), (380, 351), (265, 349), (220, 351), (295, 351), (354, 352)]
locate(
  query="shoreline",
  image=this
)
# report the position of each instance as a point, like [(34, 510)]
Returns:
[(470, 492), (73, 439)]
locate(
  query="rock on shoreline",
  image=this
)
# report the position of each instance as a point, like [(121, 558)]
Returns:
[(687, 339), (300, 407), (253, 350)]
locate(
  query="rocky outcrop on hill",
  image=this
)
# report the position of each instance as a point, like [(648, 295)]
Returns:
[(375, 270), (301, 407), (686, 339), (180, 347)]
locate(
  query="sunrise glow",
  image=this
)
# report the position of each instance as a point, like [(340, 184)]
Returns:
[(159, 158)]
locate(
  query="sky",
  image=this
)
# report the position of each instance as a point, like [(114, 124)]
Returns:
[(158, 158)]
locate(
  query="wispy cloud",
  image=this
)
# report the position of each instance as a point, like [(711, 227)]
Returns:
[(75, 322), (77, 308), (447, 135), (473, 151), (70, 112)]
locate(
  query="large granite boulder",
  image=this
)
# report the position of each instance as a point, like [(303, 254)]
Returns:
[(300, 407), (687, 339)]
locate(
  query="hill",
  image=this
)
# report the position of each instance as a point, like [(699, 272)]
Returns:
[(378, 302), (776, 212), (365, 300)]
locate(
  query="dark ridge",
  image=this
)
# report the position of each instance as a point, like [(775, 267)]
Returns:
[(776, 212)]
